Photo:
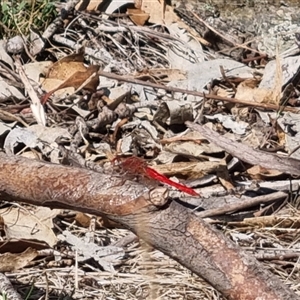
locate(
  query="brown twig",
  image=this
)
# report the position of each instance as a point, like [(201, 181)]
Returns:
[(246, 203), (131, 79)]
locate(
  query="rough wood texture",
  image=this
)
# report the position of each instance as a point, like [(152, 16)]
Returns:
[(247, 154), (170, 228), (206, 252), (53, 185), (7, 288)]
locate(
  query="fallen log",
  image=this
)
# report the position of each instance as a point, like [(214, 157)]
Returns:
[(161, 222)]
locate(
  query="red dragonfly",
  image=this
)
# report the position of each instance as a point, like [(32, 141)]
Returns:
[(137, 166)]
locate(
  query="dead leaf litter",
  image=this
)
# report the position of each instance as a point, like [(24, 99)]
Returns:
[(131, 78)]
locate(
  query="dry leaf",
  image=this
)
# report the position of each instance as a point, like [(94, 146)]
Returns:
[(34, 70), (90, 5), (78, 78), (30, 224), (83, 219), (260, 173), (62, 65), (10, 262), (70, 72), (159, 12), (137, 16), (281, 135), (191, 169), (278, 80), (246, 91), (106, 256)]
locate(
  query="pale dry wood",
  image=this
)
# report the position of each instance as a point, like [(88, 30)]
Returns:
[(247, 154), (36, 106), (243, 204), (7, 289)]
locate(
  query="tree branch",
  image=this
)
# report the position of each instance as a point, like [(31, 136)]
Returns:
[(245, 153), (166, 225)]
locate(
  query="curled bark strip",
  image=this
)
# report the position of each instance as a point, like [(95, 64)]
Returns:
[(53, 185), (247, 154)]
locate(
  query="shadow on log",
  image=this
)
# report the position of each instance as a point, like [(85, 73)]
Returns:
[(161, 222)]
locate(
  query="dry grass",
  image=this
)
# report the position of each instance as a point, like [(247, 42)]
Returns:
[(146, 273)]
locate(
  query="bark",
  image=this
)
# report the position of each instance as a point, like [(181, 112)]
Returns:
[(163, 223), (7, 289), (53, 185), (247, 154), (206, 252)]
